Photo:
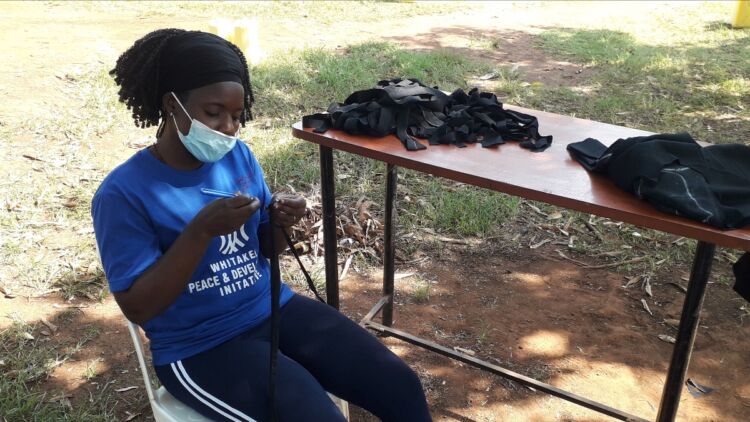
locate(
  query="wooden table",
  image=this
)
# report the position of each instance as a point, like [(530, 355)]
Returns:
[(551, 176)]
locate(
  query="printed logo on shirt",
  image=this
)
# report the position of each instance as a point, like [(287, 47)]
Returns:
[(230, 275), (232, 242)]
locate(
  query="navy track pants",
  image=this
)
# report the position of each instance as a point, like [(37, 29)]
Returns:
[(320, 350)]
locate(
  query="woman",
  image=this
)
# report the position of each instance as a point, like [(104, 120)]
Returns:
[(192, 270)]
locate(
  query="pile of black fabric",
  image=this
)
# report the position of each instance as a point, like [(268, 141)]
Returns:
[(407, 108), (678, 176)]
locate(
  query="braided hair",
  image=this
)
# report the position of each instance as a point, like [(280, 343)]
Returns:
[(137, 72)]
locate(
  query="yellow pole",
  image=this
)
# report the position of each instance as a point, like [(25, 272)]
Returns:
[(742, 17)]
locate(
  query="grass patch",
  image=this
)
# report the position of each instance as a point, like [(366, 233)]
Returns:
[(305, 81), (27, 359), (453, 207), (674, 78), (419, 289)]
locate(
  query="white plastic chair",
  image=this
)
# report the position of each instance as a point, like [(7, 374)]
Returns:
[(165, 407)]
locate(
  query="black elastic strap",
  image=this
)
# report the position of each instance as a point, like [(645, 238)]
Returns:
[(310, 283), (275, 299)]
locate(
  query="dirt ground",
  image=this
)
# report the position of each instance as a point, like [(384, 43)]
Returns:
[(575, 328)]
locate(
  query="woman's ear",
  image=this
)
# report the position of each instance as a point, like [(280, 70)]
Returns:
[(168, 103)]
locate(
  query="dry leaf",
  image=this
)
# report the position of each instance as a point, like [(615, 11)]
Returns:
[(6, 292), (554, 216), (631, 281), (92, 268), (678, 286), (535, 208), (452, 240), (536, 245), (302, 247), (27, 336), (52, 327), (32, 158), (648, 287), (668, 339), (645, 306), (674, 323), (70, 203), (464, 351), (346, 266), (131, 416)]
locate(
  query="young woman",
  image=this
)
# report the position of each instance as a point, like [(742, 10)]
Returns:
[(192, 270)]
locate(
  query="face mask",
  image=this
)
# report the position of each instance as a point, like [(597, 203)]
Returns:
[(206, 144)]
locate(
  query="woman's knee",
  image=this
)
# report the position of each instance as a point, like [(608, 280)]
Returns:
[(396, 373)]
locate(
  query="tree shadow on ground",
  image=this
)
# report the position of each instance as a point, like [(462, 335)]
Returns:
[(576, 329)]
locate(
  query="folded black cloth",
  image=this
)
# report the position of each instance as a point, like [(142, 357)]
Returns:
[(407, 108), (678, 176)]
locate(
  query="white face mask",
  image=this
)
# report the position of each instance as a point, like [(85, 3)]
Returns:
[(206, 144)]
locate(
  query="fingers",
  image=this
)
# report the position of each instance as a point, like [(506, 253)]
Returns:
[(239, 201), (290, 204), (295, 211), (288, 209), (249, 208)]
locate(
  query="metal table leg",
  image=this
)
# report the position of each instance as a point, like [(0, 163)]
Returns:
[(691, 308), (388, 247), (328, 192)]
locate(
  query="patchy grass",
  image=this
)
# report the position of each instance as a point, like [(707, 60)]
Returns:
[(305, 81), (27, 358), (419, 288), (687, 74)]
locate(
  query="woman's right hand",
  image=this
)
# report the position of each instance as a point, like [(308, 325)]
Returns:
[(224, 216)]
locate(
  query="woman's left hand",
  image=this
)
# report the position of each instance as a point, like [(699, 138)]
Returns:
[(288, 209)]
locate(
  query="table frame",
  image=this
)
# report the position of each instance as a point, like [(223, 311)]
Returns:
[(701, 270)]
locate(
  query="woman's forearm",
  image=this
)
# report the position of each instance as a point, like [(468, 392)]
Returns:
[(160, 285)]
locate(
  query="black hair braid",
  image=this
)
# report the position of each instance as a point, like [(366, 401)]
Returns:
[(137, 74), (249, 98)]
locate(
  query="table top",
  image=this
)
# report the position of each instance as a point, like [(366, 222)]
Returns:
[(551, 176)]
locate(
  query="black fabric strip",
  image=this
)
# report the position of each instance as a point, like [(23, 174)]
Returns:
[(310, 283)]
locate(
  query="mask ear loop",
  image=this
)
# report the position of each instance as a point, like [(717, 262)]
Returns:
[(181, 106)]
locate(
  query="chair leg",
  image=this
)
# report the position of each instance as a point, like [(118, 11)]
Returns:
[(342, 404)]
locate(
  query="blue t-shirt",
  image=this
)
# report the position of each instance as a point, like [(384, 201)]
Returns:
[(139, 210)]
